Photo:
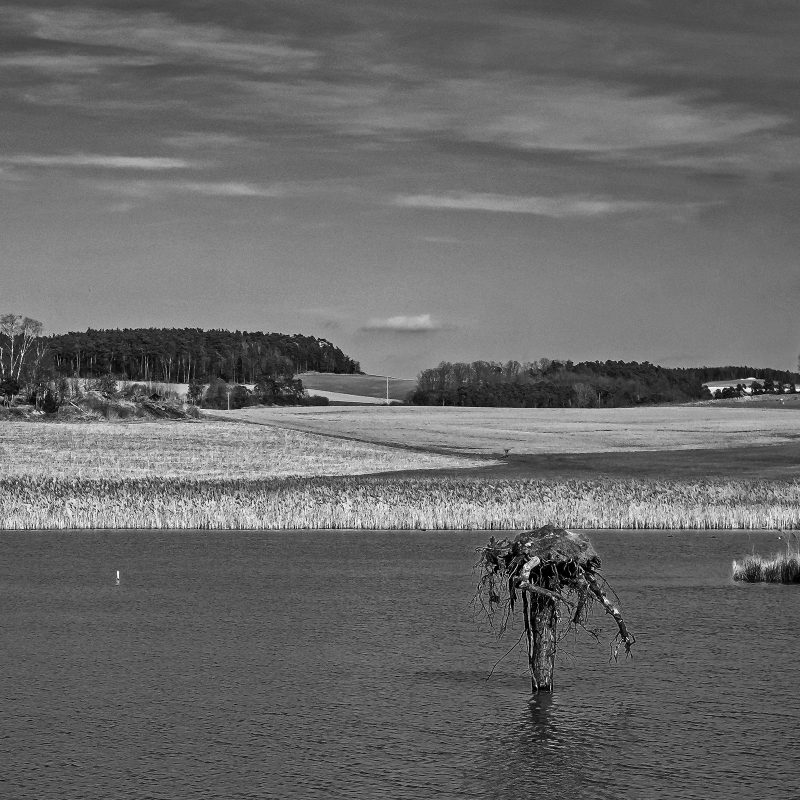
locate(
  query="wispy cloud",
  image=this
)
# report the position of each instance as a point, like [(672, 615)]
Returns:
[(757, 156), (553, 115), (152, 189), (604, 123), (200, 139), (602, 120), (163, 36), (72, 63), (359, 86), (557, 207), (83, 160), (227, 189), (421, 323)]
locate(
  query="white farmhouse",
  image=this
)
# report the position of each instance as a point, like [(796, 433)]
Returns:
[(746, 384)]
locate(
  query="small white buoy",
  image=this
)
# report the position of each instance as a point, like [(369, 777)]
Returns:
[(117, 577)]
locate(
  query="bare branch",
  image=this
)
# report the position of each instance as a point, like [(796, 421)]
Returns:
[(627, 638)]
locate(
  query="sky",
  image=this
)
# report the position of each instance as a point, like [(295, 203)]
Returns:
[(416, 181)]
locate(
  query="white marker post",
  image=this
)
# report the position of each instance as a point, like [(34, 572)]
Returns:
[(117, 577)]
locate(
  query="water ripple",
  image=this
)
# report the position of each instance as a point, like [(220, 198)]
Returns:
[(348, 665)]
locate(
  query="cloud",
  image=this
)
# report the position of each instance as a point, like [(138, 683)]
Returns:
[(551, 118), (167, 39), (759, 157), (200, 139), (422, 323), (224, 189), (599, 120), (72, 63), (265, 98), (81, 160), (555, 115), (112, 62), (382, 89), (556, 207)]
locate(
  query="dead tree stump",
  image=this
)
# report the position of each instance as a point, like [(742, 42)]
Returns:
[(554, 573)]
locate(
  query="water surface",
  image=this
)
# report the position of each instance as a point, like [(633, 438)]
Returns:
[(326, 665)]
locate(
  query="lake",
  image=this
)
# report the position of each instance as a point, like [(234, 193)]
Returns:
[(351, 665)]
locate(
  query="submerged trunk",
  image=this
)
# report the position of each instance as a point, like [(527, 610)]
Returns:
[(542, 643)]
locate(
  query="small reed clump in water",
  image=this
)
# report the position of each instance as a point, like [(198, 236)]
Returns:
[(780, 568)]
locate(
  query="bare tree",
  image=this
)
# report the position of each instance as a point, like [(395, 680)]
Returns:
[(584, 394), (17, 336)]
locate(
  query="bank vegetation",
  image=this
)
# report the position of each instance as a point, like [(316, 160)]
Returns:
[(386, 502)]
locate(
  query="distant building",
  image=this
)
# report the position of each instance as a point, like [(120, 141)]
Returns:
[(746, 383)]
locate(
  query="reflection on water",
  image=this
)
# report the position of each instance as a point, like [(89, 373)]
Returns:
[(546, 749), (537, 731), (319, 665)]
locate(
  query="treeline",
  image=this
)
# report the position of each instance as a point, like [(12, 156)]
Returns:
[(185, 355), (267, 391), (562, 384)]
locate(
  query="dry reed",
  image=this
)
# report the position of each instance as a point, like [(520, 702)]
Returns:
[(393, 503), (778, 568)]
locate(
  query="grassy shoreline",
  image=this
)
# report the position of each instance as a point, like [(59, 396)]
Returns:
[(394, 503), (364, 470)]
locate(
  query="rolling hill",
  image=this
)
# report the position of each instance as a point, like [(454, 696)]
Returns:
[(369, 389)]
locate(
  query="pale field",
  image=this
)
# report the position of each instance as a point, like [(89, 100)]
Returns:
[(230, 475), (166, 449), (357, 385), (489, 431), (340, 397)]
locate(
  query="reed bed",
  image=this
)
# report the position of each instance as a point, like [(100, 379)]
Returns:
[(778, 568), (393, 503)]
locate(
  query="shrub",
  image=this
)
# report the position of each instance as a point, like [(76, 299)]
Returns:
[(315, 400), (216, 395), (50, 403), (9, 388), (106, 385), (240, 396)]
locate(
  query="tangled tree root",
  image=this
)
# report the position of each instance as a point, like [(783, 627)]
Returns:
[(553, 573)]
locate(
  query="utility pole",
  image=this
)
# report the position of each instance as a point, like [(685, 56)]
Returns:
[(387, 390)]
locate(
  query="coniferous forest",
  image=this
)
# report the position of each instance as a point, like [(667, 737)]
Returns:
[(589, 384), (184, 355)]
